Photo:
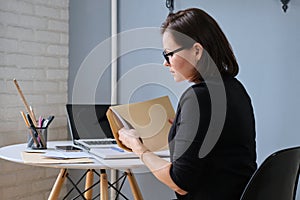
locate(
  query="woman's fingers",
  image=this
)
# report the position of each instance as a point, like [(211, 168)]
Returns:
[(127, 137), (171, 120), (130, 132)]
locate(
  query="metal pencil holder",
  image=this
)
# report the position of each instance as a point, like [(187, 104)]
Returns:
[(37, 138)]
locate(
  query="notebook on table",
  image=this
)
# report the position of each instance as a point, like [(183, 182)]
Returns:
[(89, 127)]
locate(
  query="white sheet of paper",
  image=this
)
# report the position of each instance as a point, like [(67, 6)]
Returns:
[(66, 155)]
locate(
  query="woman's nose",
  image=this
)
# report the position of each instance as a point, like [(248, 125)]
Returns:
[(166, 64)]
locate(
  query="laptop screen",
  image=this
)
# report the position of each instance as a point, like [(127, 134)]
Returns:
[(88, 121)]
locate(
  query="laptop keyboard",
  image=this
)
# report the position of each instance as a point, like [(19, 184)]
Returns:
[(100, 142)]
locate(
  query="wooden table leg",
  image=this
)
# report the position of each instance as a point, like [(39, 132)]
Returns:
[(103, 185), (88, 183), (58, 185), (134, 186)]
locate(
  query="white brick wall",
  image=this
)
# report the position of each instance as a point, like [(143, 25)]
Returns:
[(34, 41)]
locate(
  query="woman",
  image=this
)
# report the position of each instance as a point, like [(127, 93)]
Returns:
[(212, 138)]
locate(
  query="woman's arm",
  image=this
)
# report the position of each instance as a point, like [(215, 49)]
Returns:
[(161, 170), (158, 166)]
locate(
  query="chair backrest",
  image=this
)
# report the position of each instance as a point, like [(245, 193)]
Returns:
[(276, 178)]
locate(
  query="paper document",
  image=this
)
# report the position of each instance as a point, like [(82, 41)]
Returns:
[(38, 158), (117, 153), (150, 119), (66, 155), (124, 123)]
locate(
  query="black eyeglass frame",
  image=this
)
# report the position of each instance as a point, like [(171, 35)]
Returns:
[(166, 55)]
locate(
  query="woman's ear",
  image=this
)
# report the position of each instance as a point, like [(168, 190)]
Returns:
[(198, 50)]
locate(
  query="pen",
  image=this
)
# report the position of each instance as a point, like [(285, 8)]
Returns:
[(31, 141), (41, 120), (47, 121), (117, 149)]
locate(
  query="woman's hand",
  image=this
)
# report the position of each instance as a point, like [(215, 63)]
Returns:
[(131, 139)]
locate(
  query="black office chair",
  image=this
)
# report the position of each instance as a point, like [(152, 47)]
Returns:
[(276, 178)]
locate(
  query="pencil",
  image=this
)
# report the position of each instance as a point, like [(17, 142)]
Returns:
[(24, 118), (33, 115), (24, 101)]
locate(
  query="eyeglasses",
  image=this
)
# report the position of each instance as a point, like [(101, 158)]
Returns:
[(166, 55)]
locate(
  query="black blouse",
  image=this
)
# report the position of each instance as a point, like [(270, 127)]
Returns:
[(230, 159)]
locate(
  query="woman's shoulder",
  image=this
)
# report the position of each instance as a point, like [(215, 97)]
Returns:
[(234, 85), (196, 88), (204, 88), (194, 93)]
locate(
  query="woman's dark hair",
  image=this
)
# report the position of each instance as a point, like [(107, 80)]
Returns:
[(202, 28)]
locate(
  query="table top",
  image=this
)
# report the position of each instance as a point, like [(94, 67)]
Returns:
[(13, 153)]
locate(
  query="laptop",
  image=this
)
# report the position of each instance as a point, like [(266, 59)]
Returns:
[(89, 126)]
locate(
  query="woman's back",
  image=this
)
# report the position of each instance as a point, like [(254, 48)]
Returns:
[(225, 171)]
